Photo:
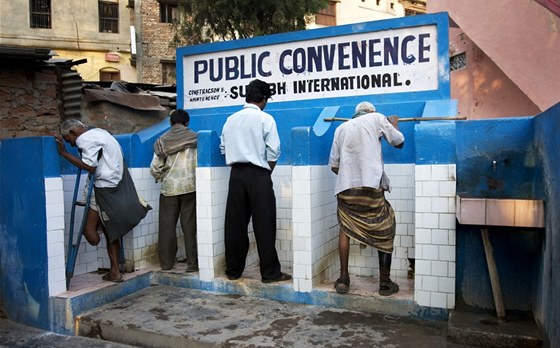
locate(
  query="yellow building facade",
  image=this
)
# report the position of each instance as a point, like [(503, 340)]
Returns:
[(95, 30)]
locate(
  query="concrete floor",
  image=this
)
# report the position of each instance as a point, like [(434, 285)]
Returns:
[(247, 313)]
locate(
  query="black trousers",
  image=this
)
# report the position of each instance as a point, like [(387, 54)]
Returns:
[(251, 195)]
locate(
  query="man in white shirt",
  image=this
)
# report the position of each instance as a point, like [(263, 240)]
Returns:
[(363, 212), (121, 209), (251, 145)]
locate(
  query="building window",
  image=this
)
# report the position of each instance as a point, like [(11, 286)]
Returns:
[(327, 16), (40, 13), (109, 74), (168, 76), (108, 17), (458, 62), (167, 12)]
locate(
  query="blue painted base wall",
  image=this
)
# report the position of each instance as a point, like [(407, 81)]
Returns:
[(497, 159), (547, 294), (23, 241)]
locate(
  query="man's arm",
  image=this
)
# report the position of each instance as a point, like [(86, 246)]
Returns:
[(71, 158), (394, 121)]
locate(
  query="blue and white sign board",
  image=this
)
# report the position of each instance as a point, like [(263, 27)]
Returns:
[(404, 58)]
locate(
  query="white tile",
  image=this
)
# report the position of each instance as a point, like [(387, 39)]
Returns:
[(422, 298), (407, 241), (440, 205), (429, 220), (439, 268), (446, 285), (452, 237), (451, 301), (430, 188), (424, 204), (438, 300), (55, 236), (423, 267), (440, 172), (56, 288), (423, 172), (440, 237), (418, 190), (447, 253), (423, 236), (418, 220), (447, 221), (54, 197), (430, 252), (54, 210), (430, 283), (447, 188), (53, 184)]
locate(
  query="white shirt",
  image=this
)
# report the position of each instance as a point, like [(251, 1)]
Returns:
[(356, 151), (250, 136), (109, 167)]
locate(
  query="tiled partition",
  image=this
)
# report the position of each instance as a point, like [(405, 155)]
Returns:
[(140, 245), (434, 282), (423, 197), (212, 188), (54, 201), (315, 227)]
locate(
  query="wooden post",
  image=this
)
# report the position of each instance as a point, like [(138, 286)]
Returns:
[(494, 279)]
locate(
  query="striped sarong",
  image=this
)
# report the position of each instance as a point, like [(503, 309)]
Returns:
[(365, 215)]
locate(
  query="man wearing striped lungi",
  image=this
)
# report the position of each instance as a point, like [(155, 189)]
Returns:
[(363, 212)]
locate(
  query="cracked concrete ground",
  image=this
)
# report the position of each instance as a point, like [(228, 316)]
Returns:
[(162, 316)]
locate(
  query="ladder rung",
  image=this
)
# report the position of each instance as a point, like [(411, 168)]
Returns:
[(81, 203)]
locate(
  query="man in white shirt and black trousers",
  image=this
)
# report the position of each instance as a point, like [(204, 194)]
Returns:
[(251, 146)]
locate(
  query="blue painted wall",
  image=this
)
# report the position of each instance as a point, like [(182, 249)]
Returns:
[(547, 284), (24, 163), (509, 142)]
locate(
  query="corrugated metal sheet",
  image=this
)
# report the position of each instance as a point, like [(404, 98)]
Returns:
[(71, 93)]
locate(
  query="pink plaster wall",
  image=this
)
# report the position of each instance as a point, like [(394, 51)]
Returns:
[(482, 89), (517, 41)]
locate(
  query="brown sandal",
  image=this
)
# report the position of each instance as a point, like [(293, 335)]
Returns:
[(342, 285)]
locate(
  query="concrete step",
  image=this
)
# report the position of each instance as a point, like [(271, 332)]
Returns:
[(484, 330), (16, 335), (166, 316)]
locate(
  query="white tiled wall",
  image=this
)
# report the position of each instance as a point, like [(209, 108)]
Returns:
[(55, 235), (211, 196), (434, 282), (139, 244), (423, 198), (365, 261), (212, 189), (402, 199), (315, 236), (282, 183)]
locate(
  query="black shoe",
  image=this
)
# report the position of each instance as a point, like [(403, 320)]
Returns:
[(283, 276), (388, 288)]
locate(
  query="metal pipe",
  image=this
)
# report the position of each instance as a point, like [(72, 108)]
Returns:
[(332, 119)]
